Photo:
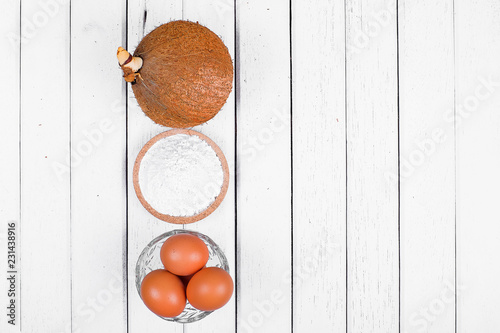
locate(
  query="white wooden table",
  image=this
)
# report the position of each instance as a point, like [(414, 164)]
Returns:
[(363, 138)]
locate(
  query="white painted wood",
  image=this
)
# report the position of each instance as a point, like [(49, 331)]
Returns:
[(72, 260), (264, 160), (9, 147), (143, 16), (45, 177), (98, 194), (218, 15), (319, 167), (427, 166), (372, 150), (478, 164)]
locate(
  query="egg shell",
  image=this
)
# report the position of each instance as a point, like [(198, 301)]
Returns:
[(184, 254), (210, 289), (163, 293)]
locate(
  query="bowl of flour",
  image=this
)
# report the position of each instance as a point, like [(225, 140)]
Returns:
[(181, 176)]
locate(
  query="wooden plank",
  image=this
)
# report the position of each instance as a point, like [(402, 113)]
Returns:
[(45, 173), (427, 166), (319, 166), (264, 170), (10, 33), (98, 195), (478, 161), (218, 15), (143, 16), (372, 149)]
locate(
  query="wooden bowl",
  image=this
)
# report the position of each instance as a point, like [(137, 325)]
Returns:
[(181, 219)]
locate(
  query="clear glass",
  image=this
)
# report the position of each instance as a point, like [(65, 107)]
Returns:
[(149, 260)]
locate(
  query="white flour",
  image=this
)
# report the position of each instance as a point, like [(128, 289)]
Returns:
[(180, 175)]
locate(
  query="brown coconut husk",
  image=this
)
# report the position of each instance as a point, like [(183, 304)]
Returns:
[(186, 75)]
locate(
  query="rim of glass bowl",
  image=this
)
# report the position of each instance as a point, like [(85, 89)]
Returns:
[(190, 314)]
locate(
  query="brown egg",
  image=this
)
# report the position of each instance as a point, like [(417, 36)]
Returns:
[(210, 289), (184, 254), (163, 293)]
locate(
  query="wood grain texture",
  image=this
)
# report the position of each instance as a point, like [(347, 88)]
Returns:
[(10, 174), (98, 195), (319, 166), (372, 150), (477, 119), (264, 165), (319, 80), (45, 174), (427, 167), (218, 16), (143, 16)]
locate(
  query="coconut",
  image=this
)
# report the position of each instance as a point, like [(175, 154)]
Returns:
[(181, 74)]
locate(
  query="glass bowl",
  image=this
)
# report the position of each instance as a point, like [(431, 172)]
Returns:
[(149, 260)]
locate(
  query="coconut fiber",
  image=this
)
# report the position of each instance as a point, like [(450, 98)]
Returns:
[(186, 76)]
